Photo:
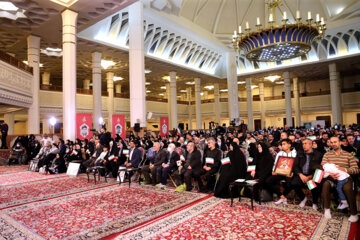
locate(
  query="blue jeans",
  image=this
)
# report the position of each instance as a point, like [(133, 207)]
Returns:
[(339, 186)]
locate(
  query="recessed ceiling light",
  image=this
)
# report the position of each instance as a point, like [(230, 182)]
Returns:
[(279, 82), (272, 78), (8, 6), (202, 94), (190, 83), (147, 83), (209, 87), (147, 71), (163, 87), (107, 63), (223, 90), (240, 82), (253, 86), (183, 91), (148, 91), (161, 94), (168, 78), (26, 62)]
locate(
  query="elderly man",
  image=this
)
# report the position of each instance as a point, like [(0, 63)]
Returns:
[(212, 157), (158, 158), (167, 166), (344, 161)]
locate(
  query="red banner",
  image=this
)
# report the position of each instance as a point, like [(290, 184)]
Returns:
[(118, 126), (164, 126), (83, 126)]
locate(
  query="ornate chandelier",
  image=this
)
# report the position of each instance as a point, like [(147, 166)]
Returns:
[(277, 43)]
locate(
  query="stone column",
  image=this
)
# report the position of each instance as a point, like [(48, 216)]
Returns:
[(190, 107), (46, 78), (168, 96), (110, 89), (86, 84), (206, 95), (339, 87), (198, 103), (118, 88), (335, 95), (136, 64), (69, 19), (34, 62), (9, 118), (262, 105), (173, 96), (287, 89), (217, 107), (232, 85), (96, 76), (46, 126), (297, 102), (249, 105)]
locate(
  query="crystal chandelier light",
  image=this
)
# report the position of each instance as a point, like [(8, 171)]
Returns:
[(276, 43)]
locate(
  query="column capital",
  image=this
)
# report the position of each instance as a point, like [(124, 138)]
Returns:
[(69, 17)]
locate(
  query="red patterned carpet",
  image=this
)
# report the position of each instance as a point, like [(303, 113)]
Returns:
[(215, 219), (24, 177), (13, 168), (34, 191)]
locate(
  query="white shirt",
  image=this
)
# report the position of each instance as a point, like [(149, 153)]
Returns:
[(102, 156), (291, 154), (131, 153)]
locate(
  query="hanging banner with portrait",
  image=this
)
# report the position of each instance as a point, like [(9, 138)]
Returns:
[(83, 126), (164, 126), (118, 126)]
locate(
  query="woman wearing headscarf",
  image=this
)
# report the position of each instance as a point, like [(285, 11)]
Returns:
[(230, 172), (263, 162)]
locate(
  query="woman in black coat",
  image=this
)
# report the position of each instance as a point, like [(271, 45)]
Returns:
[(230, 172), (263, 162)]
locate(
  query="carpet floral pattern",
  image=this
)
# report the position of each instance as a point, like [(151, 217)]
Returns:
[(34, 191), (215, 219), (23, 177), (91, 214)]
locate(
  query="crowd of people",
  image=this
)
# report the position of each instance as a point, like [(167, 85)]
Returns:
[(210, 160)]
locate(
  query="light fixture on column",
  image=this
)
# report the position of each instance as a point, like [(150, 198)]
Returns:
[(272, 78), (254, 86), (241, 82), (107, 63), (168, 78), (209, 87), (278, 42), (52, 122), (279, 82), (183, 91), (101, 121), (163, 87), (161, 94), (147, 71), (190, 83), (148, 91), (147, 83), (224, 90), (27, 63)]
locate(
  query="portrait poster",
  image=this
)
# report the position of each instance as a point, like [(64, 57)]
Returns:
[(284, 165), (118, 126), (164, 126), (83, 126)]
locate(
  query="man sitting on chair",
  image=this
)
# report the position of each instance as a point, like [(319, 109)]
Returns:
[(168, 166), (212, 157), (134, 160), (158, 158)]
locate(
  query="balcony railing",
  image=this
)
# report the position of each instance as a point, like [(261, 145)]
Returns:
[(15, 62)]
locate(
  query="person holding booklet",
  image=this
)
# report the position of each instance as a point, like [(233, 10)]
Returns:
[(233, 167), (211, 165)]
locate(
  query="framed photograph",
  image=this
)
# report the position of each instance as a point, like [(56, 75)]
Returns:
[(284, 165)]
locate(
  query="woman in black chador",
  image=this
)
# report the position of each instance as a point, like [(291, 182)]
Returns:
[(230, 172)]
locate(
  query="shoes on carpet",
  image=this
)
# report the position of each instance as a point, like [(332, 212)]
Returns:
[(343, 205), (353, 218), (303, 202), (281, 200), (315, 206), (327, 213)]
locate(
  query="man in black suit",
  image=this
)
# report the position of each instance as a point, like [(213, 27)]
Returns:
[(304, 167), (167, 166), (135, 156), (156, 160), (191, 168)]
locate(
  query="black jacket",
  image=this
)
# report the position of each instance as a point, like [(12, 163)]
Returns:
[(194, 160), (173, 159), (160, 157), (300, 160)]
